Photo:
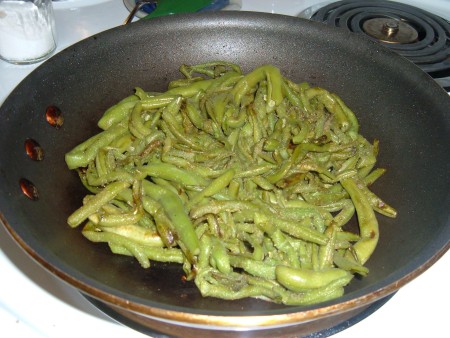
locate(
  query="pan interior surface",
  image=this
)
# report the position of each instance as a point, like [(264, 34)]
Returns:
[(394, 101)]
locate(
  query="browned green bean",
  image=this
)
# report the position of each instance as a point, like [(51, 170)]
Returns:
[(248, 181)]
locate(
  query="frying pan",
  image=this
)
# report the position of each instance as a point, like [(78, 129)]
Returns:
[(394, 101)]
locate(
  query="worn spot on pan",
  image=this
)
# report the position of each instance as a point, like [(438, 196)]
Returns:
[(34, 150), (29, 189), (54, 116)]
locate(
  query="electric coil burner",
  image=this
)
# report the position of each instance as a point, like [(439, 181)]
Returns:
[(420, 36)]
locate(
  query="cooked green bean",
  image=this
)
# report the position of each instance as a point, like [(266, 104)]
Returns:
[(368, 224), (96, 202), (117, 112), (303, 279), (248, 181), (175, 211), (172, 173)]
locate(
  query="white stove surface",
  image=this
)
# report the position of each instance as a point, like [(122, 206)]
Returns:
[(34, 303)]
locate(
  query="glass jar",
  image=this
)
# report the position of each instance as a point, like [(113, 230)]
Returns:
[(27, 30)]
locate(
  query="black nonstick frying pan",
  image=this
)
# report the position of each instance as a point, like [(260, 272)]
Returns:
[(394, 101)]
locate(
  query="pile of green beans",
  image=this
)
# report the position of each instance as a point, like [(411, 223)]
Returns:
[(248, 181)]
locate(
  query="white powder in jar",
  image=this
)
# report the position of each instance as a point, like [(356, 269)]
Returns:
[(26, 31)]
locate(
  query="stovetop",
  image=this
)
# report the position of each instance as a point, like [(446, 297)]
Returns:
[(34, 303)]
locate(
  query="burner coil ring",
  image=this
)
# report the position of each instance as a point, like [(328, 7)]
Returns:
[(431, 49)]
